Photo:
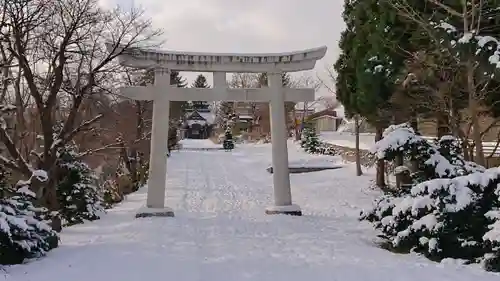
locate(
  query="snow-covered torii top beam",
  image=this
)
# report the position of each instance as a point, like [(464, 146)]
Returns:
[(221, 62)]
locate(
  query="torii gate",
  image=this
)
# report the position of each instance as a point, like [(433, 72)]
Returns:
[(161, 93)]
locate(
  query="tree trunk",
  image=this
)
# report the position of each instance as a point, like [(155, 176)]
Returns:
[(478, 142), (474, 111), (442, 125), (359, 172), (380, 177), (51, 201), (414, 125), (399, 162), (296, 124)]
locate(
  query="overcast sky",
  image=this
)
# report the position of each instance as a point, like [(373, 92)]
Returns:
[(246, 25)]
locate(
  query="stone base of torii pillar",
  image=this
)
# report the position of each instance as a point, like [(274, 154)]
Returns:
[(146, 212)]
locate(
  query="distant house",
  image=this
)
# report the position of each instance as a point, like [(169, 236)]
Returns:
[(246, 116), (325, 120), (198, 124)]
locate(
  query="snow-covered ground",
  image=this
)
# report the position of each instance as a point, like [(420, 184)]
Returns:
[(221, 233), (199, 144)]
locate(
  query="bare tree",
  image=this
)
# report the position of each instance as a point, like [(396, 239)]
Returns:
[(247, 80), (58, 51), (305, 81)]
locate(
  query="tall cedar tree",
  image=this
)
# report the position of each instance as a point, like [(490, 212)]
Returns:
[(370, 62), (200, 82)]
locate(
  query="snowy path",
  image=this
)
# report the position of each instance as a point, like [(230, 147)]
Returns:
[(220, 231)]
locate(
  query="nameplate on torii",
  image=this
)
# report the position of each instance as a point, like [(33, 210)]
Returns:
[(153, 92)]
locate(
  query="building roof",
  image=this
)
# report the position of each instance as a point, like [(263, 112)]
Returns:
[(208, 116), (327, 112), (195, 115)]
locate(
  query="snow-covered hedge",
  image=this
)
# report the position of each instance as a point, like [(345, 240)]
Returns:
[(452, 209), (23, 233)]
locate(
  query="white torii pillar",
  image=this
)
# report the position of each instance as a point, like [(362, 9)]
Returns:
[(155, 200), (281, 176)]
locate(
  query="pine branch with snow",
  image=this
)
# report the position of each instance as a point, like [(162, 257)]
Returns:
[(483, 48)]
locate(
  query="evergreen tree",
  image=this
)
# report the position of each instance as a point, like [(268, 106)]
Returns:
[(177, 79), (285, 79), (310, 141), (77, 189), (24, 234), (375, 46), (200, 82), (177, 108)]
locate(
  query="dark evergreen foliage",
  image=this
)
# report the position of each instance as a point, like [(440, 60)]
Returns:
[(228, 143), (77, 189)]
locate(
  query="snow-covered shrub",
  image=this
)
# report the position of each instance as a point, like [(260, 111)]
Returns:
[(23, 233), (310, 141), (77, 189), (492, 237), (443, 218), (440, 160), (451, 211), (112, 193)]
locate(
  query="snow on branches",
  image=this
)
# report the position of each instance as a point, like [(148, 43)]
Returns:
[(441, 160), (23, 232), (471, 43)]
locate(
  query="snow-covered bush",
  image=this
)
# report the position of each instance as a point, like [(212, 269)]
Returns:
[(492, 236), (77, 189), (441, 160), (443, 218), (451, 211), (23, 233), (310, 141)]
